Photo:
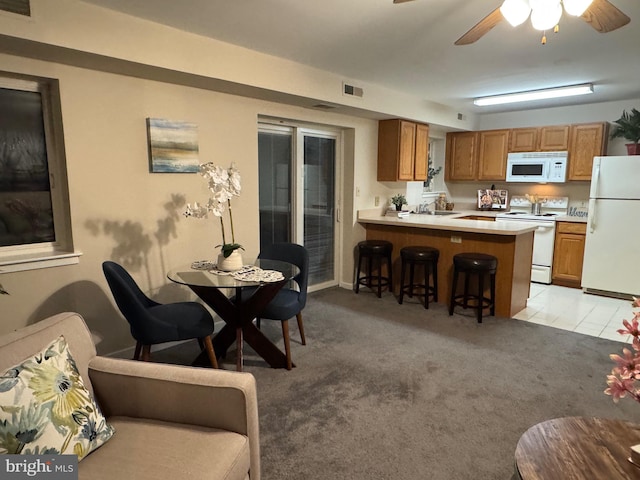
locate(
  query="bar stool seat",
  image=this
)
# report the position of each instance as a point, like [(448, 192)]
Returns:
[(478, 265), (427, 257), (377, 250)]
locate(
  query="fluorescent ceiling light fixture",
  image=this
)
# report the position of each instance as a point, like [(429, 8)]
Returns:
[(558, 92)]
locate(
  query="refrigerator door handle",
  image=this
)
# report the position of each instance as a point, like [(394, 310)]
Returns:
[(595, 178), (592, 215)]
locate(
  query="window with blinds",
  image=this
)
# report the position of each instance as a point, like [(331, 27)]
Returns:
[(21, 7)]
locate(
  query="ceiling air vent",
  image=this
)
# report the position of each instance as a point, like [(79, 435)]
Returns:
[(351, 90), (21, 7)]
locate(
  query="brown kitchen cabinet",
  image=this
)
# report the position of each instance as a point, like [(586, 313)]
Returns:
[(403, 148), (568, 254), (421, 160), (461, 159), (523, 140), (554, 138), (492, 154), (587, 140), (477, 155)]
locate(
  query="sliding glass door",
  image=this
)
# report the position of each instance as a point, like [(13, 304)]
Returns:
[(297, 168), (275, 155)]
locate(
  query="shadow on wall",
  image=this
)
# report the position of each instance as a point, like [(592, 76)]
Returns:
[(133, 244), (109, 329), (132, 247)]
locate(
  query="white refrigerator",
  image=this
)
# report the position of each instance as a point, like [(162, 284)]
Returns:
[(613, 227)]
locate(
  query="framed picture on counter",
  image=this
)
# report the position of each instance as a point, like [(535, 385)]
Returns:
[(493, 199)]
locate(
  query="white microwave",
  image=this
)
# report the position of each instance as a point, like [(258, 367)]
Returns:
[(537, 167)]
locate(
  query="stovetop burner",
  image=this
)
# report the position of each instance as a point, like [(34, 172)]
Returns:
[(550, 207)]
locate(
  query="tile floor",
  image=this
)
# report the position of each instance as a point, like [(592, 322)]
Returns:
[(571, 309)]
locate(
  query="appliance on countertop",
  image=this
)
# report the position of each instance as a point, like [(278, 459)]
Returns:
[(544, 236), (537, 167), (611, 247)]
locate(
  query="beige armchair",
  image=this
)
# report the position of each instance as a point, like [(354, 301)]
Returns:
[(170, 421)]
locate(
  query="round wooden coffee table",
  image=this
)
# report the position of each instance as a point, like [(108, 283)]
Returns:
[(578, 448)]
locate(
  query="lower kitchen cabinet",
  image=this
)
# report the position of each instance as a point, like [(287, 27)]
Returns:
[(568, 254)]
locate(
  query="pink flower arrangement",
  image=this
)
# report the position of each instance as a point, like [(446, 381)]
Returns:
[(623, 376)]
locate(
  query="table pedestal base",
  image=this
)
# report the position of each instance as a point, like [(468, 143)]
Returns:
[(238, 316)]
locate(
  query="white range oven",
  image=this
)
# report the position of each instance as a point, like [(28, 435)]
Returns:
[(544, 237)]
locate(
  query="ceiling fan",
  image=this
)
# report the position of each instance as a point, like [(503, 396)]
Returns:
[(602, 15)]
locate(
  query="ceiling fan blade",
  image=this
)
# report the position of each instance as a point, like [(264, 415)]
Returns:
[(402, 1), (604, 16), (481, 28)]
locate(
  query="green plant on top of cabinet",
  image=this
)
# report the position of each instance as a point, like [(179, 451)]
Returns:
[(403, 148), (588, 140)]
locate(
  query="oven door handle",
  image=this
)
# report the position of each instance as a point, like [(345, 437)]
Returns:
[(545, 226)]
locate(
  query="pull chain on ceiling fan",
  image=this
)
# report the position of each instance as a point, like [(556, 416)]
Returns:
[(602, 15)]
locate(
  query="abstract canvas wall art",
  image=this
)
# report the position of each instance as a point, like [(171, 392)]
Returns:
[(173, 146)]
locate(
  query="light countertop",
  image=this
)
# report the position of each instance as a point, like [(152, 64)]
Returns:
[(453, 222)]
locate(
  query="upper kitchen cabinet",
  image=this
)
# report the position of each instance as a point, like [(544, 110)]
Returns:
[(461, 161), (492, 154), (524, 140), (403, 149), (421, 161), (554, 138), (477, 155), (588, 140)]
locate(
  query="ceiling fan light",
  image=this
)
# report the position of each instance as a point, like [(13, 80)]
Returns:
[(546, 18), (576, 7), (515, 11)]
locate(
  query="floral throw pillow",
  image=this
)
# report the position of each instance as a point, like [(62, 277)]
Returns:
[(45, 408)]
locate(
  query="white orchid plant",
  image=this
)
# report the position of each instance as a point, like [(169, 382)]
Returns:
[(223, 184)]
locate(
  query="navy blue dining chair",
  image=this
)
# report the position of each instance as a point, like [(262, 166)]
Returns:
[(153, 323), (288, 302)]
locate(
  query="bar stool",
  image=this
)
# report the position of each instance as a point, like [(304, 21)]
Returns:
[(427, 257), (478, 264), (374, 250)]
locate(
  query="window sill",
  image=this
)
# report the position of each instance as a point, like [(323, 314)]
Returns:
[(33, 261)]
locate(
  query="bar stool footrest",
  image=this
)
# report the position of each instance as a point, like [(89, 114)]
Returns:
[(458, 300)]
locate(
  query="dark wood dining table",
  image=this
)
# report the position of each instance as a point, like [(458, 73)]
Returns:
[(237, 303)]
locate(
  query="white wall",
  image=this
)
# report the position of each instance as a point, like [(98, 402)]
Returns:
[(122, 212)]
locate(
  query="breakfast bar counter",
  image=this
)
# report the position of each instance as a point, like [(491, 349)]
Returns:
[(510, 243)]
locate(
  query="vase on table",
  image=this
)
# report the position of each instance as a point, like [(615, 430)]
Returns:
[(231, 263)]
